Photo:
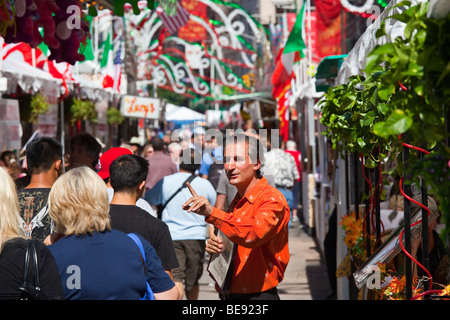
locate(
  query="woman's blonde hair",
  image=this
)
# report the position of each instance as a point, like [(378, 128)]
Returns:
[(9, 209), (78, 203)]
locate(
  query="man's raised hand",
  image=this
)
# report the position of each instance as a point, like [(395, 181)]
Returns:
[(197, 204)]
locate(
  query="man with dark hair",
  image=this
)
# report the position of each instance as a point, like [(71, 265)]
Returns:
[(256, 222), (44, 163), (127, 177), (84, 151), (188, 231), (161, 164), (105, 162)]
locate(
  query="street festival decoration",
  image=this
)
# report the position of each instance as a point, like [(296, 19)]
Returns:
[(209, 60)]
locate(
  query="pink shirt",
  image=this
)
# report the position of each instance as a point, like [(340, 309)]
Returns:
[(160, 165)]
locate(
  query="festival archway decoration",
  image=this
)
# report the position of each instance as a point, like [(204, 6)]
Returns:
[(207, 58)]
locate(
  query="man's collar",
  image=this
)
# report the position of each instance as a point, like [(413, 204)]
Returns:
[(251, 194)]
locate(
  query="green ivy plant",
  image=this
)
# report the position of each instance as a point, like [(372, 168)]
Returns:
[(416, 78), (416, 81), (83, 110), (38, 106), (405, 97), (349, 112), (114, 116)]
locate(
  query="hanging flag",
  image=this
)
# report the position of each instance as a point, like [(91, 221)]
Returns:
[(175, 22), (111, 63), (117, 62), (88, 52), (107, 63), (291, 53), (283, 102)]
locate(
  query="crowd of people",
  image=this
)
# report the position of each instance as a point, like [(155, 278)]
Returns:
[(78, 212)]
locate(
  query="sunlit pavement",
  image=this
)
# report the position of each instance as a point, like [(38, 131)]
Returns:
[(306, 275)]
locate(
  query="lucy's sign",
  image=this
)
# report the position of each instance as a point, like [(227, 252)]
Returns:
[(140, 107)]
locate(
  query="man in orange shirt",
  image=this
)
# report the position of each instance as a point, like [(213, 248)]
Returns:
[(256, 221)]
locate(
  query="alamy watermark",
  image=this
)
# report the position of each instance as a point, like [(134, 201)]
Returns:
[(73, 281), (212, 140)]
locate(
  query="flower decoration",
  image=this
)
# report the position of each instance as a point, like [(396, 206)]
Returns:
[(354, 236), (446, 291)]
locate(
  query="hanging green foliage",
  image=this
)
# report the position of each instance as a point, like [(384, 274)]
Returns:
[(349, 112), (38, 106), (114, 116), (83, 110), (405, 97), (416, 78)]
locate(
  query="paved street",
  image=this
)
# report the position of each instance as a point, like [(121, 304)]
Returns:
[(305, 277)]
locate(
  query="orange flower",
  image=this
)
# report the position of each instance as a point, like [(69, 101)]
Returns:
[(353, 228), (394, 289), (398, 285), (446, 291)]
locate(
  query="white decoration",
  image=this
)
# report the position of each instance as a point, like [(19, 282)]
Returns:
[(359, 9)]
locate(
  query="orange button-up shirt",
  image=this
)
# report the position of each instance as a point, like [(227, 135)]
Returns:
[(258, 223)]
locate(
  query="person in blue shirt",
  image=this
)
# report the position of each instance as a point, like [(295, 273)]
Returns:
[(97, 262), (188, 231)]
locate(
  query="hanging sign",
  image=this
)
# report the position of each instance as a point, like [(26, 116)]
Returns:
[(140, 107), (10, 127), (48, 122)]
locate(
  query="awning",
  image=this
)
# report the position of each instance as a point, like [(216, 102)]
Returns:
[(28, 78), (327, 71), (184, 115), (355, 63)]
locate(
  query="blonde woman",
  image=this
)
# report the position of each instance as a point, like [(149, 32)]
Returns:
[(13, 248), (95, 261)]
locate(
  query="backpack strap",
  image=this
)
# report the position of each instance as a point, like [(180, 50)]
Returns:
[(140, 246), (135, 238), (29, 290), (191, 177)]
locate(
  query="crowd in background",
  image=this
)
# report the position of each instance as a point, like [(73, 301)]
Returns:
[(101, 195)]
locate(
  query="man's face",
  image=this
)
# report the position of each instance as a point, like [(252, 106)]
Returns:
[(238, 166), (79, 157)]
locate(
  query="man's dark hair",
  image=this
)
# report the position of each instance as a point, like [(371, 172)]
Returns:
[(89, 143), (42, 153), (158, 144), (127, 172), (190, 160)]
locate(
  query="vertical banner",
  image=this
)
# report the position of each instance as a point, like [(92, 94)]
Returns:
[(311, 33), (328, 14), (48, 122), (102, 120), (10, 128)]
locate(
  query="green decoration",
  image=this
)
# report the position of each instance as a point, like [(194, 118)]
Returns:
[(83, 110), (92, 11), (118, 7), (404, 98), (169, 6), (38, 106), (114, 116)]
